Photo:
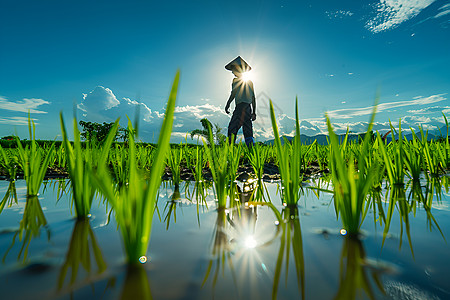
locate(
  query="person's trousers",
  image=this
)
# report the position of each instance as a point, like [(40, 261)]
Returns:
[(242, 117)]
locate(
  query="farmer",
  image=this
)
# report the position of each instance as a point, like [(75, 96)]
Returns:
[(245, 110)]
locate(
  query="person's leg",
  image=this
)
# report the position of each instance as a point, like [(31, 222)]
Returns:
[(235, 124), (247, 127)]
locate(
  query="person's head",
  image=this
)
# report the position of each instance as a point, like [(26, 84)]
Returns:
[(236, 73)]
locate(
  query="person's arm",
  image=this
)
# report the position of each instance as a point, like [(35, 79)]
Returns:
[(253, 104), (230, 99), (253, 108)]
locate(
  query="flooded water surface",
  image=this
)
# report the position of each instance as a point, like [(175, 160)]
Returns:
[(252, 250)]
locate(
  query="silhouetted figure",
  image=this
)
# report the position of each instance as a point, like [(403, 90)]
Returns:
[(243, 93)]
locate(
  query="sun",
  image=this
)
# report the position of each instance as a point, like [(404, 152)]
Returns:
[(246, 76)]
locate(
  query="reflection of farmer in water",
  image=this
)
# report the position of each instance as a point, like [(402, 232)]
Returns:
[(245, 111)]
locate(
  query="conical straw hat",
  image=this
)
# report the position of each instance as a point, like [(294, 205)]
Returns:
[(239, 65)]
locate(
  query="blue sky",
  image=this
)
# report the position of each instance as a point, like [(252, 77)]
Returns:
[(101, 59)]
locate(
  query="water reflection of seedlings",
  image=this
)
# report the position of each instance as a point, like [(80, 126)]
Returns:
[(62, 187), (171, 207), (137, 284), (375, 202), (221, 249), (397, 199), (416, 194), (10, 196), (82, 246), (30, 226), (291, 234), (355, 271), (435, 185)]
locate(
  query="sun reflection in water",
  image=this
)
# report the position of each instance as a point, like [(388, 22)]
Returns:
[(250, 242)]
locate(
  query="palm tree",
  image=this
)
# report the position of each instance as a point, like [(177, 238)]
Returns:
[(217, 136)]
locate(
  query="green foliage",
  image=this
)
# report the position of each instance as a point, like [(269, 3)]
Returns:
[(93, 131)]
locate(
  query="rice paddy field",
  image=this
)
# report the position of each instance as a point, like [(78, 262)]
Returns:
[(371, 222)]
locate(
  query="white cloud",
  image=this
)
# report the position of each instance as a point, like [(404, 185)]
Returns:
[(348, 113), (27, 104), (444, 10), (16, 120), (187, 118), (391, 13), (101, 105), (99, 99), (430, 110)]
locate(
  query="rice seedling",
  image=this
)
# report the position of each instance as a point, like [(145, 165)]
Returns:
[(199, 187), (257, 155), (414, 158), (61, 158), (289, 161), (234, 155), (80, 166), (33, 161), (394, 161), (134, 203), (9, 163), (444, 149), (431, 157), (351, 187), (220, 169), (119, 164), (174, 158), (82, 246)]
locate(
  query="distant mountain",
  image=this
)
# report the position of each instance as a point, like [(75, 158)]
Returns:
[(322, 138)]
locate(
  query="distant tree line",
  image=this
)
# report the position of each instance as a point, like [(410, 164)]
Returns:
[(93, 131)]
